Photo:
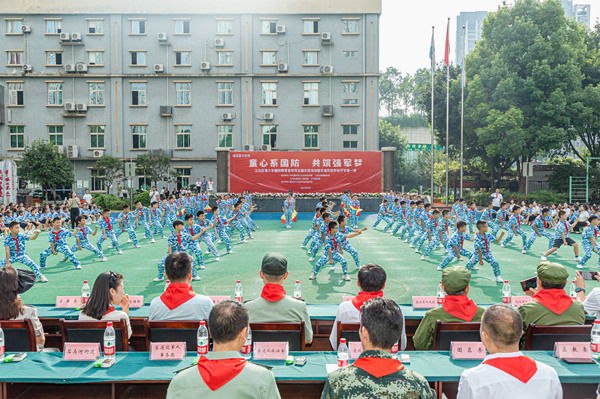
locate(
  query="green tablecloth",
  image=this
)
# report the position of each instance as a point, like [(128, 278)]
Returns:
[(136, 366)]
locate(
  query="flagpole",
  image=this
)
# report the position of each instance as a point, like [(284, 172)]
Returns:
[(462, 109), (447, 105), (432, 86)]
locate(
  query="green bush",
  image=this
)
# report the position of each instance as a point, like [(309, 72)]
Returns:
[(143, 197), (541, 197), (547, 197), (109, 201)]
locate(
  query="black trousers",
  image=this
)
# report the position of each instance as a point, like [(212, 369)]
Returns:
[(74, 214)]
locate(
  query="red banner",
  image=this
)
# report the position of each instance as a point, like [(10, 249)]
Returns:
[(304, 171)]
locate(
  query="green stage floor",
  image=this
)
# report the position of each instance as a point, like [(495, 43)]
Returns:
[(407, 274)]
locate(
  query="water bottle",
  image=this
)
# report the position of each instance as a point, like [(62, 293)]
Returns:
[(238, 292), (394, 350), (1, 345), (247, 348), (109, 341), (85, 292), (167, 284), (572, 292), (202, 339), (440, 294), (506, 293), (297, 290), (343, 353), (595, 340)]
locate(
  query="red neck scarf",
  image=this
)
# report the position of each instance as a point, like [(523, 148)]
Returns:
[(107, 223), (555, 300), (218, 372), (520, 367), (111, 308), (365, 296), (486, 242), (519, 220), (273, 292), (16, 242), (177, 294), (460, 306), (378, 367), (56, 233), (566, 228), (83, 232), (332, 239)]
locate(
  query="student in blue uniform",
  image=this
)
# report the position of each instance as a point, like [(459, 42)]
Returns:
[(57, 237), (409, 221), (487, 214), (588, 240), (539, 228), (177, 242), (394, 213), (193, 248), (501, 219), (14, 246), (157, 220), (439, 233), (220, 222), (424, 217), (561, 236), (126, 222), (472, 216), (456, 247), (514, 227), (320, 235), (288, 210), (83, 232), (108, 224), (144, 218), (383, 214), (333, 253), (347, 232), (205, 236), (354, 206), (313, 227), (402, 218), (483, 250)]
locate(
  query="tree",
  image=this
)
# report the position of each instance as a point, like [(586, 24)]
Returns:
[(42, 164), (155, 167), (107, 168), (391, 136)]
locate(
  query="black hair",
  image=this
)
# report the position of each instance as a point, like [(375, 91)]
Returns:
[(105, 210), (382, 318), (480, 224), (137, 202), (79, 219), (592, 218), (332, 225), (55, 219), (561, 212), (13, 224), (460, 223), (419, 202), (200, 212), (402, 202), (341, 218), (178, 266), (177, 223), (545, 210), (214, 208), (125, 206), (548, 286), (226, 320), (445, 212), (325, 215), (371, 277), (427, 205), (188, 216), (100, 298), (435, 212)]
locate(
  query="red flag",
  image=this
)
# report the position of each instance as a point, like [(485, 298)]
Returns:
[(447, 52)]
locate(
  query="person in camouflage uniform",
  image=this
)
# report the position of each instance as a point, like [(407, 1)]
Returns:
[(376, 374)]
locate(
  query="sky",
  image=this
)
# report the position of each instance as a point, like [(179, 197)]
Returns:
[(405, 28)]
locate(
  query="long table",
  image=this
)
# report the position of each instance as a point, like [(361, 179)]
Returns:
[(43, 371)]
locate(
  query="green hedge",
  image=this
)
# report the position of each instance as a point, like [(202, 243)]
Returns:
[(541, 197), (109, 201), (143, 197)]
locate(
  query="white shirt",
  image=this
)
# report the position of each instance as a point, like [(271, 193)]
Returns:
[(153, 196), (87, 198), (197, 308), (347, 313), (496, 199), (488, 382), (583, 216), (592, 303)]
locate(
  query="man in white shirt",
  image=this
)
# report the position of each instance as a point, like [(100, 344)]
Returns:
[(153, 196), (371, 282), (87, 197), (496, 199), (506, 372)]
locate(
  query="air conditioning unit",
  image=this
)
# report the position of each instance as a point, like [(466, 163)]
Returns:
[(205, 65), (327, 69), (26, 29), (268, 116), (265, 147), (81, 107), (159, 68), (81, 67), (282, 66), (60, 149), (325, 36), (248, 147), (219, 42), (69, 107), (327, 110), (162, 37), (97, 153), (227, 116), (72, 151), (70, 68), (27, 68), (75, 37), (166, 110), (280, 29), (65, 37)]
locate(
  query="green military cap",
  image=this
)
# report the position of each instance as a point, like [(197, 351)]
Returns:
[(455, 278), (274, 264), (552, 273)]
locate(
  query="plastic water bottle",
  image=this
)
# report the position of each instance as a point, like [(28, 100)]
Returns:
[(506, 293), (167, 283), (596, 339), (85, 292), (394, 350), (1, 345), (572, 292), (297, 290), (343, 353), (109, 341), (440, 294), (247, 348), (202, 339), (237, 293)]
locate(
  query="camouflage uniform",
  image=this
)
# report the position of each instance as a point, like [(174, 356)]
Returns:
[(355, 383)]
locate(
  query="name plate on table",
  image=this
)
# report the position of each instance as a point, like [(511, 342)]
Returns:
[(424, 302), (167, 350), (271, 350), (577, 352), (520, 300), (217, 299), (356, 349), (467, 350), (347, 298), (136, 301), (68, 302), (81, 351)]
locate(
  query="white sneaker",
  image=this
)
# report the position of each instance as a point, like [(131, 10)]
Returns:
[(42, 279), (475, 268), (197, 278), (302, 246), (416, 251), (308, 252), (579, 266), (578, 258), (63, 260), (499, 279), (120, 252), (129, 240), (217, 259), (524, 251), (251, 237), (440, 268), (157, 279), (153, 241), (346, 277), (207, 252), (313, 277), (230, 251), (311, 259), (104, 259), (332, 267), (202, 267), (422, 257), (244, 241), (78, 267), (137, 246), (218, 242), (405, 240), (411, 246), (503, 246), (110, 246), (543, 258)]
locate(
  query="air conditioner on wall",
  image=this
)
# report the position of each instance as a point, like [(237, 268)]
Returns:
[(219, 42), (280, 29), (81, 67), (325, 36), (159, 68), (70, 68), (282, 66), (265, 147), (162, 37), (268, 116), (327, 110), (65, 37), (327, 69), (69, 107), (27, 68), (97, 153), (76, 37), (205, 65), (26, 29), (166, 110), (72, 151), (227, 116), (81, 107), (248, 147)]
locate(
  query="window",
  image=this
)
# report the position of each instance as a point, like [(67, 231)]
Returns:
[(350, 53), (350, 87), (225, 93), (14, 57), (268, 28), (17, 137), (311, 136), (183, 91), (138, 58), (311, 26), (54, 58), (350, 144), (138, 134), (14, 26), (95, 57), (182, 27), (55, 93), (183, 177), (97, 180), (143, 181), (269, 57), (350, 26), (184, 136), (138, 94), (96, 93), (97, 136), (53, 26), (311, 57), (350, 101), (269, 93), (55, 134), (15, 93), (138, 27), (224, 27), (95, 27), (182, 58), (269, 133), (311, 93), (350, 129), (225, 135), (225, 58)]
